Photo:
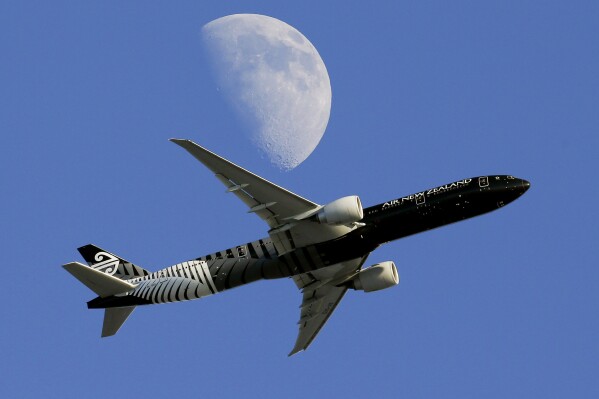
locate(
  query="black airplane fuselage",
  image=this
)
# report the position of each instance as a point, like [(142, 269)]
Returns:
[(322, 247), (391, 220), (423, 211), (414, 214)]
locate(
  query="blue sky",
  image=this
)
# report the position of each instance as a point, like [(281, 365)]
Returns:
[(424, 93)]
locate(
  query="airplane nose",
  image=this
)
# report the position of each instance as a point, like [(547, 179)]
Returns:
[(511, 189), (515, 188), (525, 185)]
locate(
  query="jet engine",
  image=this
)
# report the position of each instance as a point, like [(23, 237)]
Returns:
[(345, 210), (377, 277)]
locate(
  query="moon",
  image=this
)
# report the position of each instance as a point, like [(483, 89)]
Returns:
[(276, 82)]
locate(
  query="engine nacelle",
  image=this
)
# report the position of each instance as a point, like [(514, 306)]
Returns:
[(377, 277), (345, 210)]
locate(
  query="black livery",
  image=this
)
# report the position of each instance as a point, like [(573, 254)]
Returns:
[(323, 248)]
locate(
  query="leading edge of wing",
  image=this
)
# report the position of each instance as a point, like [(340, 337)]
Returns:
[(270, 202)]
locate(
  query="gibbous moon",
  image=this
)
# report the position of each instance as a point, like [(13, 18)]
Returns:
[(275, 80)]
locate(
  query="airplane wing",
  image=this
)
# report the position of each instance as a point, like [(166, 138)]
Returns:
[(270, 202), (280, 207), (320, 298)]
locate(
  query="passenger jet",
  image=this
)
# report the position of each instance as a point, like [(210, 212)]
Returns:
[(322, 248)]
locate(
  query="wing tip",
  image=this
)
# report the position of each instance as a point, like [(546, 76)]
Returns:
[(179, 141), (192, 147), (295, 350)]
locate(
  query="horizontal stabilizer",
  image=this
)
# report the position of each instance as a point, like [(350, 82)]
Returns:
[(114, 319), (101, 283)]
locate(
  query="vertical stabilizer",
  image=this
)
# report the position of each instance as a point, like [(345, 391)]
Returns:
[(114, 319), (109, 263)]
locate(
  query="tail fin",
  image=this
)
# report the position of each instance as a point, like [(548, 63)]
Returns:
[(109, 263), (114, 319)]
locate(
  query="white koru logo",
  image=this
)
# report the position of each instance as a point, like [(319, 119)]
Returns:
[(108, 263)]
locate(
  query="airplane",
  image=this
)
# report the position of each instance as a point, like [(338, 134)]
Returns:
[(322, 248)]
